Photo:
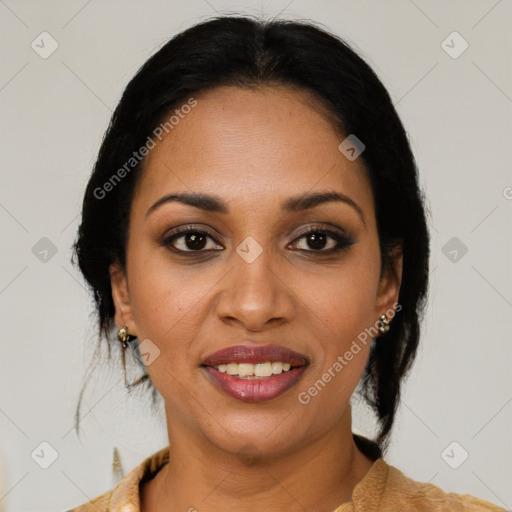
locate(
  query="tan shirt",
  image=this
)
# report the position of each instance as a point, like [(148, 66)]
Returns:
[(383, 488)]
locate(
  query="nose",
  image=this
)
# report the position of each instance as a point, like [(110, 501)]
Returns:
[(255, 294)]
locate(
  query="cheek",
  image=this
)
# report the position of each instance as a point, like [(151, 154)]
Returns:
[(169, 307), (167, 299), (345, 301), (343, 307)]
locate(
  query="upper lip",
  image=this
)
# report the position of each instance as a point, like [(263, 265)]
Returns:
[(255, 354)]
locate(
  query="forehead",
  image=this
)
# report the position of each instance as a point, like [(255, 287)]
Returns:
[(252, 146)]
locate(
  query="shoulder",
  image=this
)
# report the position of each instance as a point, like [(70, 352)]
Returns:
[(402, 491), (126, 495)]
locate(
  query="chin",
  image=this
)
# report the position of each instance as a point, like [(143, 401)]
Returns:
[(253, 438)]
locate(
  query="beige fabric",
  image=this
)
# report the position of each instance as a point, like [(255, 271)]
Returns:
[(383, 488)]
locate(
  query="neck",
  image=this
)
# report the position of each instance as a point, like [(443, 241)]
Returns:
[(319, 476)]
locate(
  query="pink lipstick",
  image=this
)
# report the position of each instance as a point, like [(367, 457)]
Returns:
[(255, 373)]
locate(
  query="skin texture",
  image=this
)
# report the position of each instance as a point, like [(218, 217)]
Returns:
[(253, 148)]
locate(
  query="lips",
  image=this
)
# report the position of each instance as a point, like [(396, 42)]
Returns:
[(253, 373), (254, 355)]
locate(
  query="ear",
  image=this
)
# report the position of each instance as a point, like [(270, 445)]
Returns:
[(389, 286), (121, 298)]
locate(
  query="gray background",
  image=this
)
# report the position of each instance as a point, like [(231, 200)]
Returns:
[(54, 112)]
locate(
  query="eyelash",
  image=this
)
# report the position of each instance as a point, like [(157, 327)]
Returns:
[(343, 241)]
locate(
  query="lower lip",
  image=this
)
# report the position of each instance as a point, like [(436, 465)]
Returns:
[(255, 390)]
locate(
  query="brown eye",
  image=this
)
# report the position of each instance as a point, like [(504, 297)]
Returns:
[(191, 240), (317, 241), (322, 240)]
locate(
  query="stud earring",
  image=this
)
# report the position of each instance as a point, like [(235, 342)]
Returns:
[(383, 324)]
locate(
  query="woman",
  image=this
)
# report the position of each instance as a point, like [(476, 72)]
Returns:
[(254, 232)]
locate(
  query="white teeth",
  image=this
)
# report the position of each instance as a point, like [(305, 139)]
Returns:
[(232, 369), (254, 370), (263, 369), (245, 369), (277, 368)]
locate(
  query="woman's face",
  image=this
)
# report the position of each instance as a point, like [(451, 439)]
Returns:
[(253, 289)]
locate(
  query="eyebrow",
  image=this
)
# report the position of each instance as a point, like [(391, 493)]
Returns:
[(215, 204)]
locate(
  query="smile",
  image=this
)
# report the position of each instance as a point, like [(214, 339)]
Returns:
[(254, 373)]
